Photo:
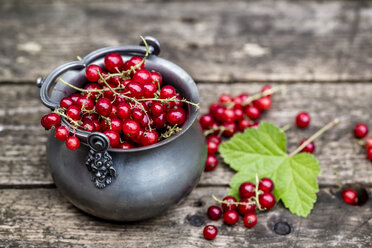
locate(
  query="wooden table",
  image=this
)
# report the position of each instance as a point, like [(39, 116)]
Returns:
[(320, 49)]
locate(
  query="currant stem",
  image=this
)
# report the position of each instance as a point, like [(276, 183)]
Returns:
[(258, 192), (221, 129), (285, 128), (314, 136), (335, 168), (173, 99), (233, 203)]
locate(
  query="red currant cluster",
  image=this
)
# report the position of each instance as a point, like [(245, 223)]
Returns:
[(126, 102), (232, 114), (360, 132), (253, 198)]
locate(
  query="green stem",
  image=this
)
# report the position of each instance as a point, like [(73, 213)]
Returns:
[(285, 128), (233, 203), (314, 136)]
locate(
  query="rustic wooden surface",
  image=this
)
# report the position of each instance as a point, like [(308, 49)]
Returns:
[(321, 50)]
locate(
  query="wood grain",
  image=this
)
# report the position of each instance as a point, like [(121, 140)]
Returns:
[(223, 41), (23, 141), (42, 218)]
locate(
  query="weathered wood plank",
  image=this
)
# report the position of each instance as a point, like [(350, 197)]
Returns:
[(23, 141), (223, 41), (42, 218)]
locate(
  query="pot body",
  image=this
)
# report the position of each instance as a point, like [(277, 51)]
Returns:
[(147, 183)]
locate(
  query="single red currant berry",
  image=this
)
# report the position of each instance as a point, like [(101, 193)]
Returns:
[(214, 212), (211, 163), (206, 121), (250, 220), (113, 62), (350, 196), (125, 145), (303, 119), (247, 190), (360, 130), (88, 126), (61, 133), (108, 93), (156, 78), (144, 122), (53, 120), (66, 102), (178, 103), (124, 111), (264, 103), (217, 112), (113, 136), (115, 125), (265, 88), (230, 129), (142, 76), (114, 111), (252, 112), (243, 124), (130, 128), (103, 107), (369, 154), (310, 148), (72, 143), (167, 91), (92, 87), (230, 205), (230, 217), (85, 103), (229, 115), (244, 209), (92, 73), (134, 89), (267, 200), (149, 138), (210, 232), (212, 147), (137, 139), (133, 62), (98, 126), (368, 143), (114, 81), (214, 138), (75, 97), (239, 114), (266, 185), (159, 121), (149, 90), (137, 114), (176, 116), (225, 98), (156, 108)]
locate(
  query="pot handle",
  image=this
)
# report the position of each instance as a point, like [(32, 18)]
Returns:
[(45, 85), (99, 161)]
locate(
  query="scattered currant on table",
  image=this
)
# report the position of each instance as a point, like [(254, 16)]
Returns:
[(303, 119), (229, 115), (360, 130), (210, 232), (350, 196), (131, 105)]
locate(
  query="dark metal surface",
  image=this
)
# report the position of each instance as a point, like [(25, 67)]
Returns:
[(148, 180)]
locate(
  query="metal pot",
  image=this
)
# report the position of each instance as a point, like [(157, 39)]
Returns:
[(125, 185)]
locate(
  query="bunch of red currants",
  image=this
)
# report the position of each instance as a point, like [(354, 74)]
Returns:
[(230, 115), (253, 197), (126, 102)]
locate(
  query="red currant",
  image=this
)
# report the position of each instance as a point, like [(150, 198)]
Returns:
[(157, 108), (113, 136), (247, 190), (73, 112), (51, 120), (66, 102), (368, 143), (303, 120), (264, 103), (167, 91), (74, 97), (134, 89), (92, 73), (360, 130), (85, 103), (61, 133), (210, 232), (212, 147), (113, 62), (206, 121), (229, 115), (88, 126), (350, 196), (230, 205), (211, 163), (142, 76), (310, 148), (156, 78), (72, 143), (214, 212), (230, 130), (103, 107), (115, 125), (149, 138), (239, 114), (369, 154), (252, 112), (214, 138), (176, 116), (250, 220), (243, 124), (225, 98), (124, 111), (244, 209), (266, 185), (92, 87), (265, 88), (130, 128), (230, 217), (149, 90), (133, 62), (267, 200), (125, 145), (217, 112), (159, 121)]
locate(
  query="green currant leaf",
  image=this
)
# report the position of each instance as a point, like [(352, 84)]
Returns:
[(262, 151)]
